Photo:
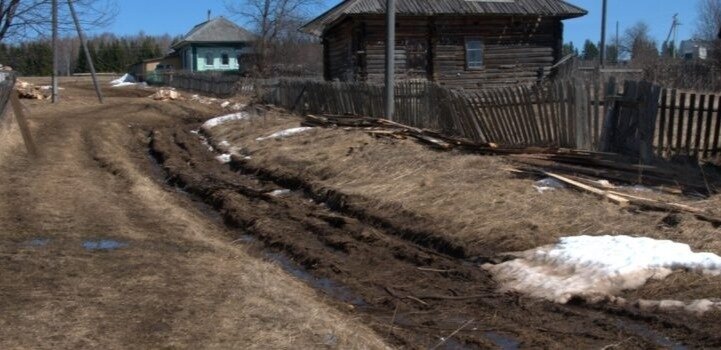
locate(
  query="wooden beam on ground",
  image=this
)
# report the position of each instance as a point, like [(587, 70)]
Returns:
[(22, 123)]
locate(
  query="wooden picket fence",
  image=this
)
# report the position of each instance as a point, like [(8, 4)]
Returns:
[(512, 116), (218, 84), (689, 124)]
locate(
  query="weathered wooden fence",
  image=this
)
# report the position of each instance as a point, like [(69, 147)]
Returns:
[(7, 82), (689, 125), (218, 84), (513, 116), (561, 113)]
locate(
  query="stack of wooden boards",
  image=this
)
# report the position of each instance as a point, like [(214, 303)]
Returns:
[(586, 171)]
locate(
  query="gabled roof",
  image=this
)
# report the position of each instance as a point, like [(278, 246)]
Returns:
[(548, 8), (217, 30)]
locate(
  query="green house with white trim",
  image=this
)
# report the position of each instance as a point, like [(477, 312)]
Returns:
[(215, 45)]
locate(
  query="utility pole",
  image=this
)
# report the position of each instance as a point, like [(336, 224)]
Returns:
[(390, 57), (603, 34), (85, 48), (55, 51)]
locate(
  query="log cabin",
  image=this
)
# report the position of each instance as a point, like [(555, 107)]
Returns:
[(470, 44)]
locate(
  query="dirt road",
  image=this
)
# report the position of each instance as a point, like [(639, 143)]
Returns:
[(96, 252), (103, 247)]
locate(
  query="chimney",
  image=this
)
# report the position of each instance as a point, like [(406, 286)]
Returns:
[(208, 15)]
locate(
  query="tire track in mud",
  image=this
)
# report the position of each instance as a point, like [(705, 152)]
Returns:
[(411, 287)]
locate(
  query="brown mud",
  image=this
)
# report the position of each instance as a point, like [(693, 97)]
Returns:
[(411, 286)]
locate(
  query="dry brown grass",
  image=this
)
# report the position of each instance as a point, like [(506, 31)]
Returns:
[(472, 198), (180, 283), (469, 198)]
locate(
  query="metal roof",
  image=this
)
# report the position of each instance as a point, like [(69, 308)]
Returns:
[(217, 30), (548, 8)]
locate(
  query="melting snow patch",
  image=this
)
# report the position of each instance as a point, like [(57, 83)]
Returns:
[(548, 184), (125, 80), (211, 123), (280, 193), (597, 267), (285, 133), (223, 158)]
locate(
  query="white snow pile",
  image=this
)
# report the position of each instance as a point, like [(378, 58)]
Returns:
[(211, 123), (595, 268), (223, 158), (279, 193), (700, 306), (548, 184), (125, 80), (284, 133)]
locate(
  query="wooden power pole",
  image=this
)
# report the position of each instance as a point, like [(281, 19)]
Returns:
[(85, 48), (55, 52), (603, 33), (390, 57)]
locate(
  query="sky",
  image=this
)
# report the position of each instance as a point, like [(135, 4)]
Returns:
[(176, 17)]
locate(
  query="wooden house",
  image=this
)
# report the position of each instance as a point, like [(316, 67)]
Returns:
[(458, 43), (215, 45)]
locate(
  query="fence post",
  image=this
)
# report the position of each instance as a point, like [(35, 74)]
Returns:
[(583, 134)]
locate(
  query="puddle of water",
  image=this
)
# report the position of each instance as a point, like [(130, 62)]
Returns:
[(502, 341), (651, 335), (37, 242), (103, 244), (330, 287)]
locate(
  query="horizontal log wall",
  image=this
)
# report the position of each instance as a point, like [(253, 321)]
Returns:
[(433, 48)]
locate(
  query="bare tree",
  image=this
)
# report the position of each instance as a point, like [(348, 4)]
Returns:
[(272, 20), (708, 25), (22, 19), (638, 44)]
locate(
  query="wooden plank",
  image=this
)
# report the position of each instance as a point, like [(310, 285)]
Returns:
[(23, 124), (556, 113), (541, 112), (707, 146), (689, 125), (699, 126), (680, 124), (520, 125), (596, 111), (494, 121), (717, 131), (671, 125), (517, 119), (531, 115), (647, 120), (581, 116), (662, 123), (508, 137), (615, 198)]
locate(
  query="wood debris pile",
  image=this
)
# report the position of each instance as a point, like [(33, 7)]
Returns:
[(166, 95), (586, 171), (30, 91)]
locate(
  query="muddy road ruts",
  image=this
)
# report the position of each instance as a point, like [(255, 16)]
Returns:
[(413, 291)]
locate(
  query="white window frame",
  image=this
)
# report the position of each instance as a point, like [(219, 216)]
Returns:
[(474, 65), (212, 59)]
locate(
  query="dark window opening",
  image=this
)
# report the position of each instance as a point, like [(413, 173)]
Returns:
[(474, 53), (225, 59)]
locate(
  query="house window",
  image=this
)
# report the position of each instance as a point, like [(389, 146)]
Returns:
[(225, 59), (474, 54), (209, 60)]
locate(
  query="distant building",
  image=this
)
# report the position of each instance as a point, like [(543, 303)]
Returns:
[(694, 49), (457, 43), (215, 45)]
